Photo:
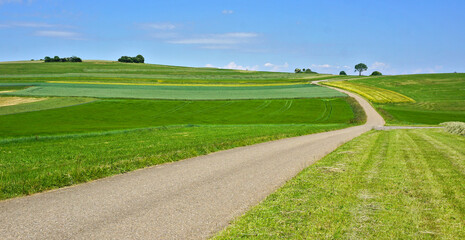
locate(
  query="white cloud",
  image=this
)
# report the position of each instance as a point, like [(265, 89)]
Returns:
[(13, 1), (59, 34), (233, 65), (380, 66), (208, 65), (158, 26), (218, 39), (277, 68), (30, 25), (227, 11)]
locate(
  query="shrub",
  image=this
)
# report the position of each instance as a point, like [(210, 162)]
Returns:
[(342, 73), (376, 73), (297, 70), (454, 127)]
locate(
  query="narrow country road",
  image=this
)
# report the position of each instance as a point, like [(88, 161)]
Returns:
[(189, 199)]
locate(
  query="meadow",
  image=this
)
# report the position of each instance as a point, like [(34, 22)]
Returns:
[(438, 98), (108, 71), (34, 164), (398, 184)]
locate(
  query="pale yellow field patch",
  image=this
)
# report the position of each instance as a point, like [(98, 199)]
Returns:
[(10, 101)]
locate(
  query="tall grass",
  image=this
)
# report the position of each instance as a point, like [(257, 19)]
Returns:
[(454, 127)]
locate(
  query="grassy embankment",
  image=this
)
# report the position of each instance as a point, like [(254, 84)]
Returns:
[(438, 97), (399, 184)]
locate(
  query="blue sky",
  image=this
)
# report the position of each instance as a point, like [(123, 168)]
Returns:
[(394, 37)]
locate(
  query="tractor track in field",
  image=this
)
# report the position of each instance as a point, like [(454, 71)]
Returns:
[(189, 199)]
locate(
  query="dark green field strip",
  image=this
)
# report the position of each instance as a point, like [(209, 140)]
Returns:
[(122, 114), (399, 184), (50, 103), (178, 92), (405, 115), (30, 165)]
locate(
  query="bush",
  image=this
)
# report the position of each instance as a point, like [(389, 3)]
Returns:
[(376, 73), (454, 127), (342, 73), (137, 59), (297, 70)]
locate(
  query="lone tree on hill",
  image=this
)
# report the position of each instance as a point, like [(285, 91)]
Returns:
[(360, 68), (342, 73)]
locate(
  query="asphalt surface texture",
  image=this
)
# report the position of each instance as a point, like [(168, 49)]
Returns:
[(189, 199)]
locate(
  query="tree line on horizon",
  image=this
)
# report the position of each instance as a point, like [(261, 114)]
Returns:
[(358, 68), (58, 59), (137, 59)]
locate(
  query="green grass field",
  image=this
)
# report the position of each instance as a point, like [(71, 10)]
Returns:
[(177, 92), (439, 98), (30, 165), (107, 71), (124, 114), (399, 184)]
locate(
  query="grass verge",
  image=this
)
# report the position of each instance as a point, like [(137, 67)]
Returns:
[(399, 184), (34, 164)]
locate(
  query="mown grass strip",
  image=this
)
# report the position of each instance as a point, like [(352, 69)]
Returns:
[(30, 165), (398, 184), (374, 94), (177, 84)]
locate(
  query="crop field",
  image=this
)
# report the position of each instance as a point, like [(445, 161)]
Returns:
[(108, 71), (398, 184), (113, 114), (374, 94), (438, 97), (177, 92)]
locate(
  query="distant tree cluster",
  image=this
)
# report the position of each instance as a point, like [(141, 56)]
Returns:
[(58, 59), (342, 73), (308, 70), (376, 73), (137, 59)]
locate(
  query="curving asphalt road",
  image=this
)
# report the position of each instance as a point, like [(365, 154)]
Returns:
[(189, 199)]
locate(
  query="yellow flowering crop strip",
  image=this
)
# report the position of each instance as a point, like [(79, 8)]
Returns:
[(374, 94)]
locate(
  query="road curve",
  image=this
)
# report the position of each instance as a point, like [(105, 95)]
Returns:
[(189, 199)]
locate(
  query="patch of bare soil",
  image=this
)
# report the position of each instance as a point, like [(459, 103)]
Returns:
[(10, 101)]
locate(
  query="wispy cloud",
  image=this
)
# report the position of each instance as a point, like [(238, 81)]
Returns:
[(218, 41), (380, 66), (158, 26), (226, 12), (60, 34), (30, 25), (15, 1), (276, 67), (233, 65)]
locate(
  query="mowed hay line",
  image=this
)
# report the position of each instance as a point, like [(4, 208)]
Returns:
[(10, 101), (374, 94)]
